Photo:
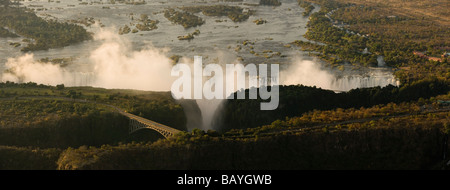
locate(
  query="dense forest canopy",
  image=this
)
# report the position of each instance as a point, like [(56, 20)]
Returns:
[(297, 100), (157, 106)]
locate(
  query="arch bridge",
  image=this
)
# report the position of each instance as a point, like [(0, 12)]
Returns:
[(137, 123)]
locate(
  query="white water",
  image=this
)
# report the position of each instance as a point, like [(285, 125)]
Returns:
[(141, 61)]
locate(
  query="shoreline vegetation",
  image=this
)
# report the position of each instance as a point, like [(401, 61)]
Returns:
[(307, 6), (145, 24), (358, 34), (5, 33), (235, 13), (189, 36), (185, 19), (44, 34), (270, 2)]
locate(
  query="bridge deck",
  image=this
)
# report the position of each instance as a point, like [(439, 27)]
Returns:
[(151, 124), (163, 129)]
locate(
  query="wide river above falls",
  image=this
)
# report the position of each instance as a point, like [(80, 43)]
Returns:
[(220, 41)]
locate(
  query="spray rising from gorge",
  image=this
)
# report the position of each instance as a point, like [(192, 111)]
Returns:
[(112, 65), (115, 64)]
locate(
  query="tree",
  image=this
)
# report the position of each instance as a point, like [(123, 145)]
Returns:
[(60, 86), (5, 3)]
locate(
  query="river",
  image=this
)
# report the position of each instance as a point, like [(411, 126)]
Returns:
[(141, 60)]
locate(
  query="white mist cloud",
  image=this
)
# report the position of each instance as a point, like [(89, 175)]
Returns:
[(114, 64), (307, 73), (209, 108), (26, 69), (310, 73)]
